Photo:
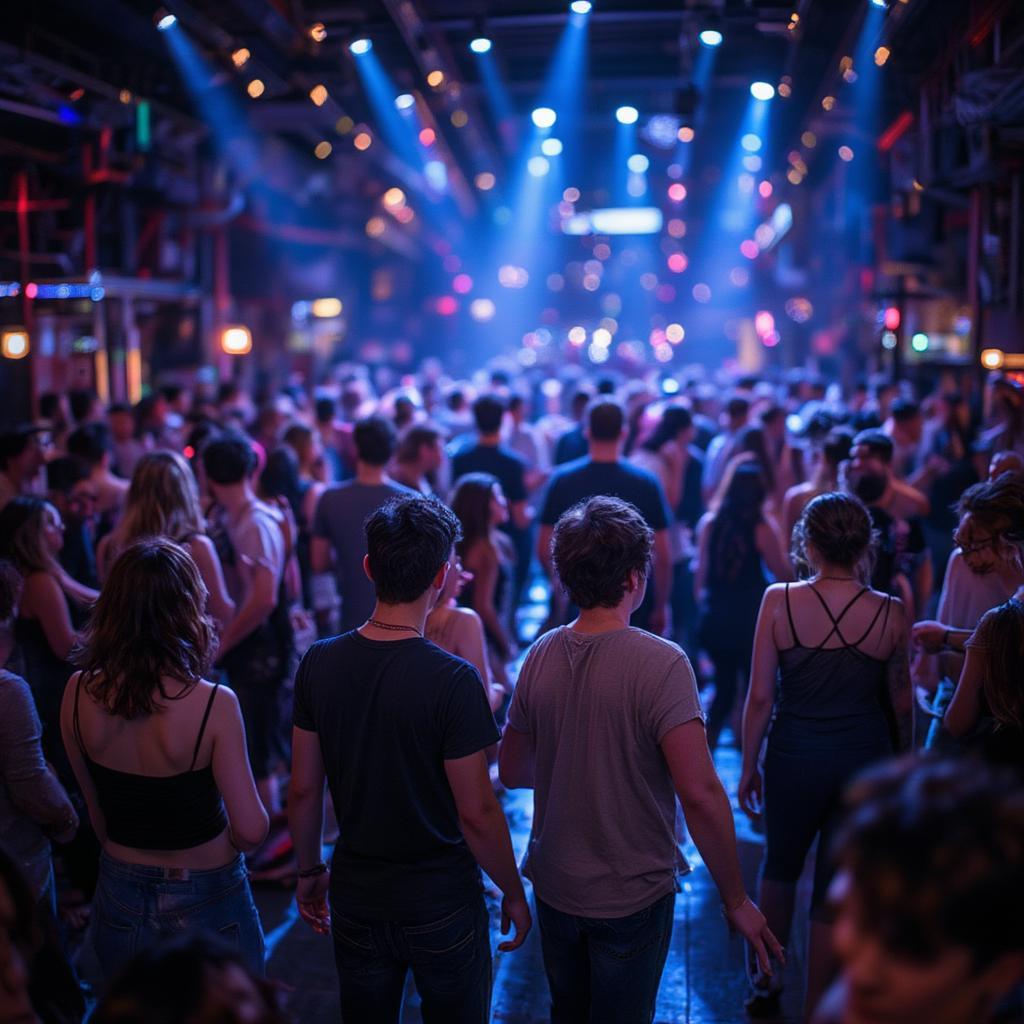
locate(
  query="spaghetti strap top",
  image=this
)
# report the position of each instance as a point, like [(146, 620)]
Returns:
[(158, 812), (835, 692)]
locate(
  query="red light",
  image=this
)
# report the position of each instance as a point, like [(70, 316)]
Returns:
[(750, 249), (462, 283), (447, 306), (677, 263), (892, 319), (31, 290), (189, 452), (677, 192), (428, 137), (765, 189)]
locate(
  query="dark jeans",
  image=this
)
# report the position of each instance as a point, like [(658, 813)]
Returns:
[(450, 959), (605, 970)]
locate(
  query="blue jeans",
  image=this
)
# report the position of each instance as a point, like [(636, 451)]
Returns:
[(135, 906), (450, 959), (605, 970)]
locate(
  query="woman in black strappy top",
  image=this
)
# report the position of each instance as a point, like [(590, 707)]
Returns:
[(160, 756), (830, 657)]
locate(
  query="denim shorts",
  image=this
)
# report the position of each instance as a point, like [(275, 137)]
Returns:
[(137, 905)]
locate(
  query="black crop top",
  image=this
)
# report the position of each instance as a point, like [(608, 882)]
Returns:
[(158, 812)]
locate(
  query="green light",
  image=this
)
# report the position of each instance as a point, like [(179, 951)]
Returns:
[(143, 135), (919, 342)]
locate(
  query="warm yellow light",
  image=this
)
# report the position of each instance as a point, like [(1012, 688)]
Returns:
[(317, 32), (785, 90), (846, 63), (484, 181), (394, 197), (236, 340), (809, 139), (255, 88), (992, 358), (794, 176), (675, 333), (240, 57), (14, 343), (318, 94), (828, 102), (882, 55), (363, 140), (686, 133), (326, 308), (435, 79), (125, 96), (323, 150), (375, 227), (460, 118)]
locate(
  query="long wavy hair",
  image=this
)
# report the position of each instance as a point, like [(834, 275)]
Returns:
[(736, 519), (471, 502), (21, 534), (149, 624), (163, 501)]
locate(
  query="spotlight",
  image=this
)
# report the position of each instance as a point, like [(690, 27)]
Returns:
[(638, 163), (711, 37), (404, 100), (480, 45), (360, 46), (762, 90), (544, 117), (879, 3), (318, 94), (14, 343), (580, 6), (255, 88), (435, 79), (240, 57), (164, 19), (751, 142), (236, 341), (538, 166), (627, 115), (551, 147), (845, 154)]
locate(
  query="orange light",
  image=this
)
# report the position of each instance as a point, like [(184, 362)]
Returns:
[(363, 141), (14, 343), (236, 340)]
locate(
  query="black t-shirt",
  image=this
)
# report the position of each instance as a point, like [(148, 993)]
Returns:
[(497, 460), (389, 713), (584, 479)]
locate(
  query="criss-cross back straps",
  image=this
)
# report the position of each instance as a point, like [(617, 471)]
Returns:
[(835, 630), (878, 611)]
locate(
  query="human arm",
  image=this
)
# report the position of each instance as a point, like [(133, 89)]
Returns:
[(515, 759), (77, 760), (29, 781), (897, 674), (219, 603), (709, 819), (483, 563), (933, 636), (305, 821), (519, 514), (757, 711), (965, 707), (259, 603), (247, 818), (321, 556), (486, 831), (770, 548), (471, 645), (42, 599), (78, 592)]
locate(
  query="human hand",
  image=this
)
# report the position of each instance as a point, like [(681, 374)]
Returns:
[(311, 897), (749, 922), (929, 635), (751, 792), (517, 912)]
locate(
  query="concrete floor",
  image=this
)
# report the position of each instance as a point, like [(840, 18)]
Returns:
[(703, 983)]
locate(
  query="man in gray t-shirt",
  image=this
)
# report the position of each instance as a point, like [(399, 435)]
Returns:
[(338, 538), (606, 726)]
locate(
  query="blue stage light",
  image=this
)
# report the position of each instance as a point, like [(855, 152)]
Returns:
[(711, 37), (762, 90), (580, 6), (538, 166), (627, 115), (360, 46), (544, 117), (166, 22), (551, 147), (404, 101), (480, 45), (879, 3), (638, 163), (751, 142)]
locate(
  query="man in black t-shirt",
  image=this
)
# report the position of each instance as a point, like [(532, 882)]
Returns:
[(399, 728), (604, 472)]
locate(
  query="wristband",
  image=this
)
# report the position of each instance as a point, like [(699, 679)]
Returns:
[(314, 871)]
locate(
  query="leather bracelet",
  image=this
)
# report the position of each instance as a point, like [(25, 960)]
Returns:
[(314, 871)]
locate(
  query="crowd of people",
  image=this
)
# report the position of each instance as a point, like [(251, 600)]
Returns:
[(237, 634)]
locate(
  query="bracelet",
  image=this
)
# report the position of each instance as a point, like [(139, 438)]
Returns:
[(314, 871)]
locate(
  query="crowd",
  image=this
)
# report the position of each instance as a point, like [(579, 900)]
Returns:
[(239, 634)]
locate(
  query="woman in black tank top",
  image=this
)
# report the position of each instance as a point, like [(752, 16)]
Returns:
[(830, 673), (160, 756)]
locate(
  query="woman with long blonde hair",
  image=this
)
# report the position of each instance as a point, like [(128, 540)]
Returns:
[(163, 501)]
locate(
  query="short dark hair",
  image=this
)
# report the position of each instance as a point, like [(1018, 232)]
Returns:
[(80, 402), (903, 410), (375, 439), (487, 413), (413, 438), (326, 408), (596, 545), (228, 459), (737, 406), (911, 820), (90, 442), (876, 442), (605, 419), (407, 542), (49, 406), (64, 472), (14, 442)]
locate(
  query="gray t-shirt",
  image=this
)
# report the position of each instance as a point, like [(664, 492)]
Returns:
[(596, 708), (339, 518)]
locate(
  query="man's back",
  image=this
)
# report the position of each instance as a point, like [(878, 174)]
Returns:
[(497, 460), (596, 707), (388, 715), (339, 518), (585, 478)]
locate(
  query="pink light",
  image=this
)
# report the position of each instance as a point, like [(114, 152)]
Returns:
[(665, 293), (447, 306), (462, 284), (764, 323), (677, 192), (31, 290), (892, 318), (750, 249), (677, 263), (428, 137), (765, 189)]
